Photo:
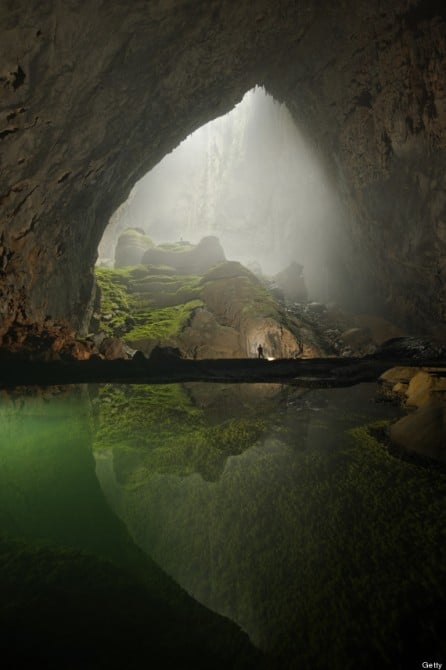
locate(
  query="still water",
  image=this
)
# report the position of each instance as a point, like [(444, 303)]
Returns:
[(278, 508)]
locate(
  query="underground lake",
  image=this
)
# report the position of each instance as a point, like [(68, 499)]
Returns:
[(238, 525)]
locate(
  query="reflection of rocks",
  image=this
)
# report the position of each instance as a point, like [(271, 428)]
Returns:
[(274, 542), (238, 400)]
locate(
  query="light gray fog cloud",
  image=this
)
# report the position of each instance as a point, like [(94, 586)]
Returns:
[(250, 178)]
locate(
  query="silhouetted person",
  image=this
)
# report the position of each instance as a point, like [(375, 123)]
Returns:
[(300, 350), (260, 351)]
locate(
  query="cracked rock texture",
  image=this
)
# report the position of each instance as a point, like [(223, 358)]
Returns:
[(94, 94)]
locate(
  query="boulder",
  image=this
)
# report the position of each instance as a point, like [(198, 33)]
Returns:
[(379, 329), (358, 340), (204, 337), (423, 432), (131, 247), (112, 348), (426, 387), (167, 353), (207, 253)]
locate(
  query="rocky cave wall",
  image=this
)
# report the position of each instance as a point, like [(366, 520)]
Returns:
[(95, 93)]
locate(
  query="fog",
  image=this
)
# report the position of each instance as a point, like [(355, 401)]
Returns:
[(251, 179)]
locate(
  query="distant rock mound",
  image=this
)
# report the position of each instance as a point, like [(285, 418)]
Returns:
[(291, 283), (207, 253), (131, 247)]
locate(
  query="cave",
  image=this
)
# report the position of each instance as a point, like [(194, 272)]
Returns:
[(94, 98), (293, 521)]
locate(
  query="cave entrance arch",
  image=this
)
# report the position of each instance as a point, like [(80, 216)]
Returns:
[(251, 179)]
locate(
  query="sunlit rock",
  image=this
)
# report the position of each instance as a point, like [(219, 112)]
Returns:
[(204, 337)]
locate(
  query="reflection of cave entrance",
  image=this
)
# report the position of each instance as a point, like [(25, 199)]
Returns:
[(250, 179)]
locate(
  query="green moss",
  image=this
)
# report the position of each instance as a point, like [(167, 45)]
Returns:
[(143, 240), (158, 429), (116, 303), (159, 325), (158, 304)]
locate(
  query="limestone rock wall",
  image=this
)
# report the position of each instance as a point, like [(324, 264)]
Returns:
[(93, 94)]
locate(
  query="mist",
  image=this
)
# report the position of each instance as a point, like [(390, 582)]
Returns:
[(251, 179)]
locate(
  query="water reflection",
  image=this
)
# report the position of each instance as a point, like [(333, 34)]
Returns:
[(76, 591), (279, 509), (276, 507)]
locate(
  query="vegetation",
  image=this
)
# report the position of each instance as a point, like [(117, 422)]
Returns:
[(327, 551), (137, 234), (158, 429), (148, 305), (76, 591), (145, 304)]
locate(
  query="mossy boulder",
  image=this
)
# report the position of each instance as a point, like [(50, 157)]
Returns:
[(131, 246), (187, 260), (225, 312)]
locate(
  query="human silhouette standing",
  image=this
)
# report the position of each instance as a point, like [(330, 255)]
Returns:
[(260, 351)]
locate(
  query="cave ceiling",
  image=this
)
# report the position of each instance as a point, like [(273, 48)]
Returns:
[(95, 93)]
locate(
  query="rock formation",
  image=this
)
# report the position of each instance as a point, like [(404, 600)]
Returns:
[(95, 94), (194, 260), (131, 247), (224, 313), (423, 392)]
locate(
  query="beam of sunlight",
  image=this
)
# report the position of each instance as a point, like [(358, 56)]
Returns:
[(249, 178)]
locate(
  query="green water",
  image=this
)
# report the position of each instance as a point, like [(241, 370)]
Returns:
[(275, 507)]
